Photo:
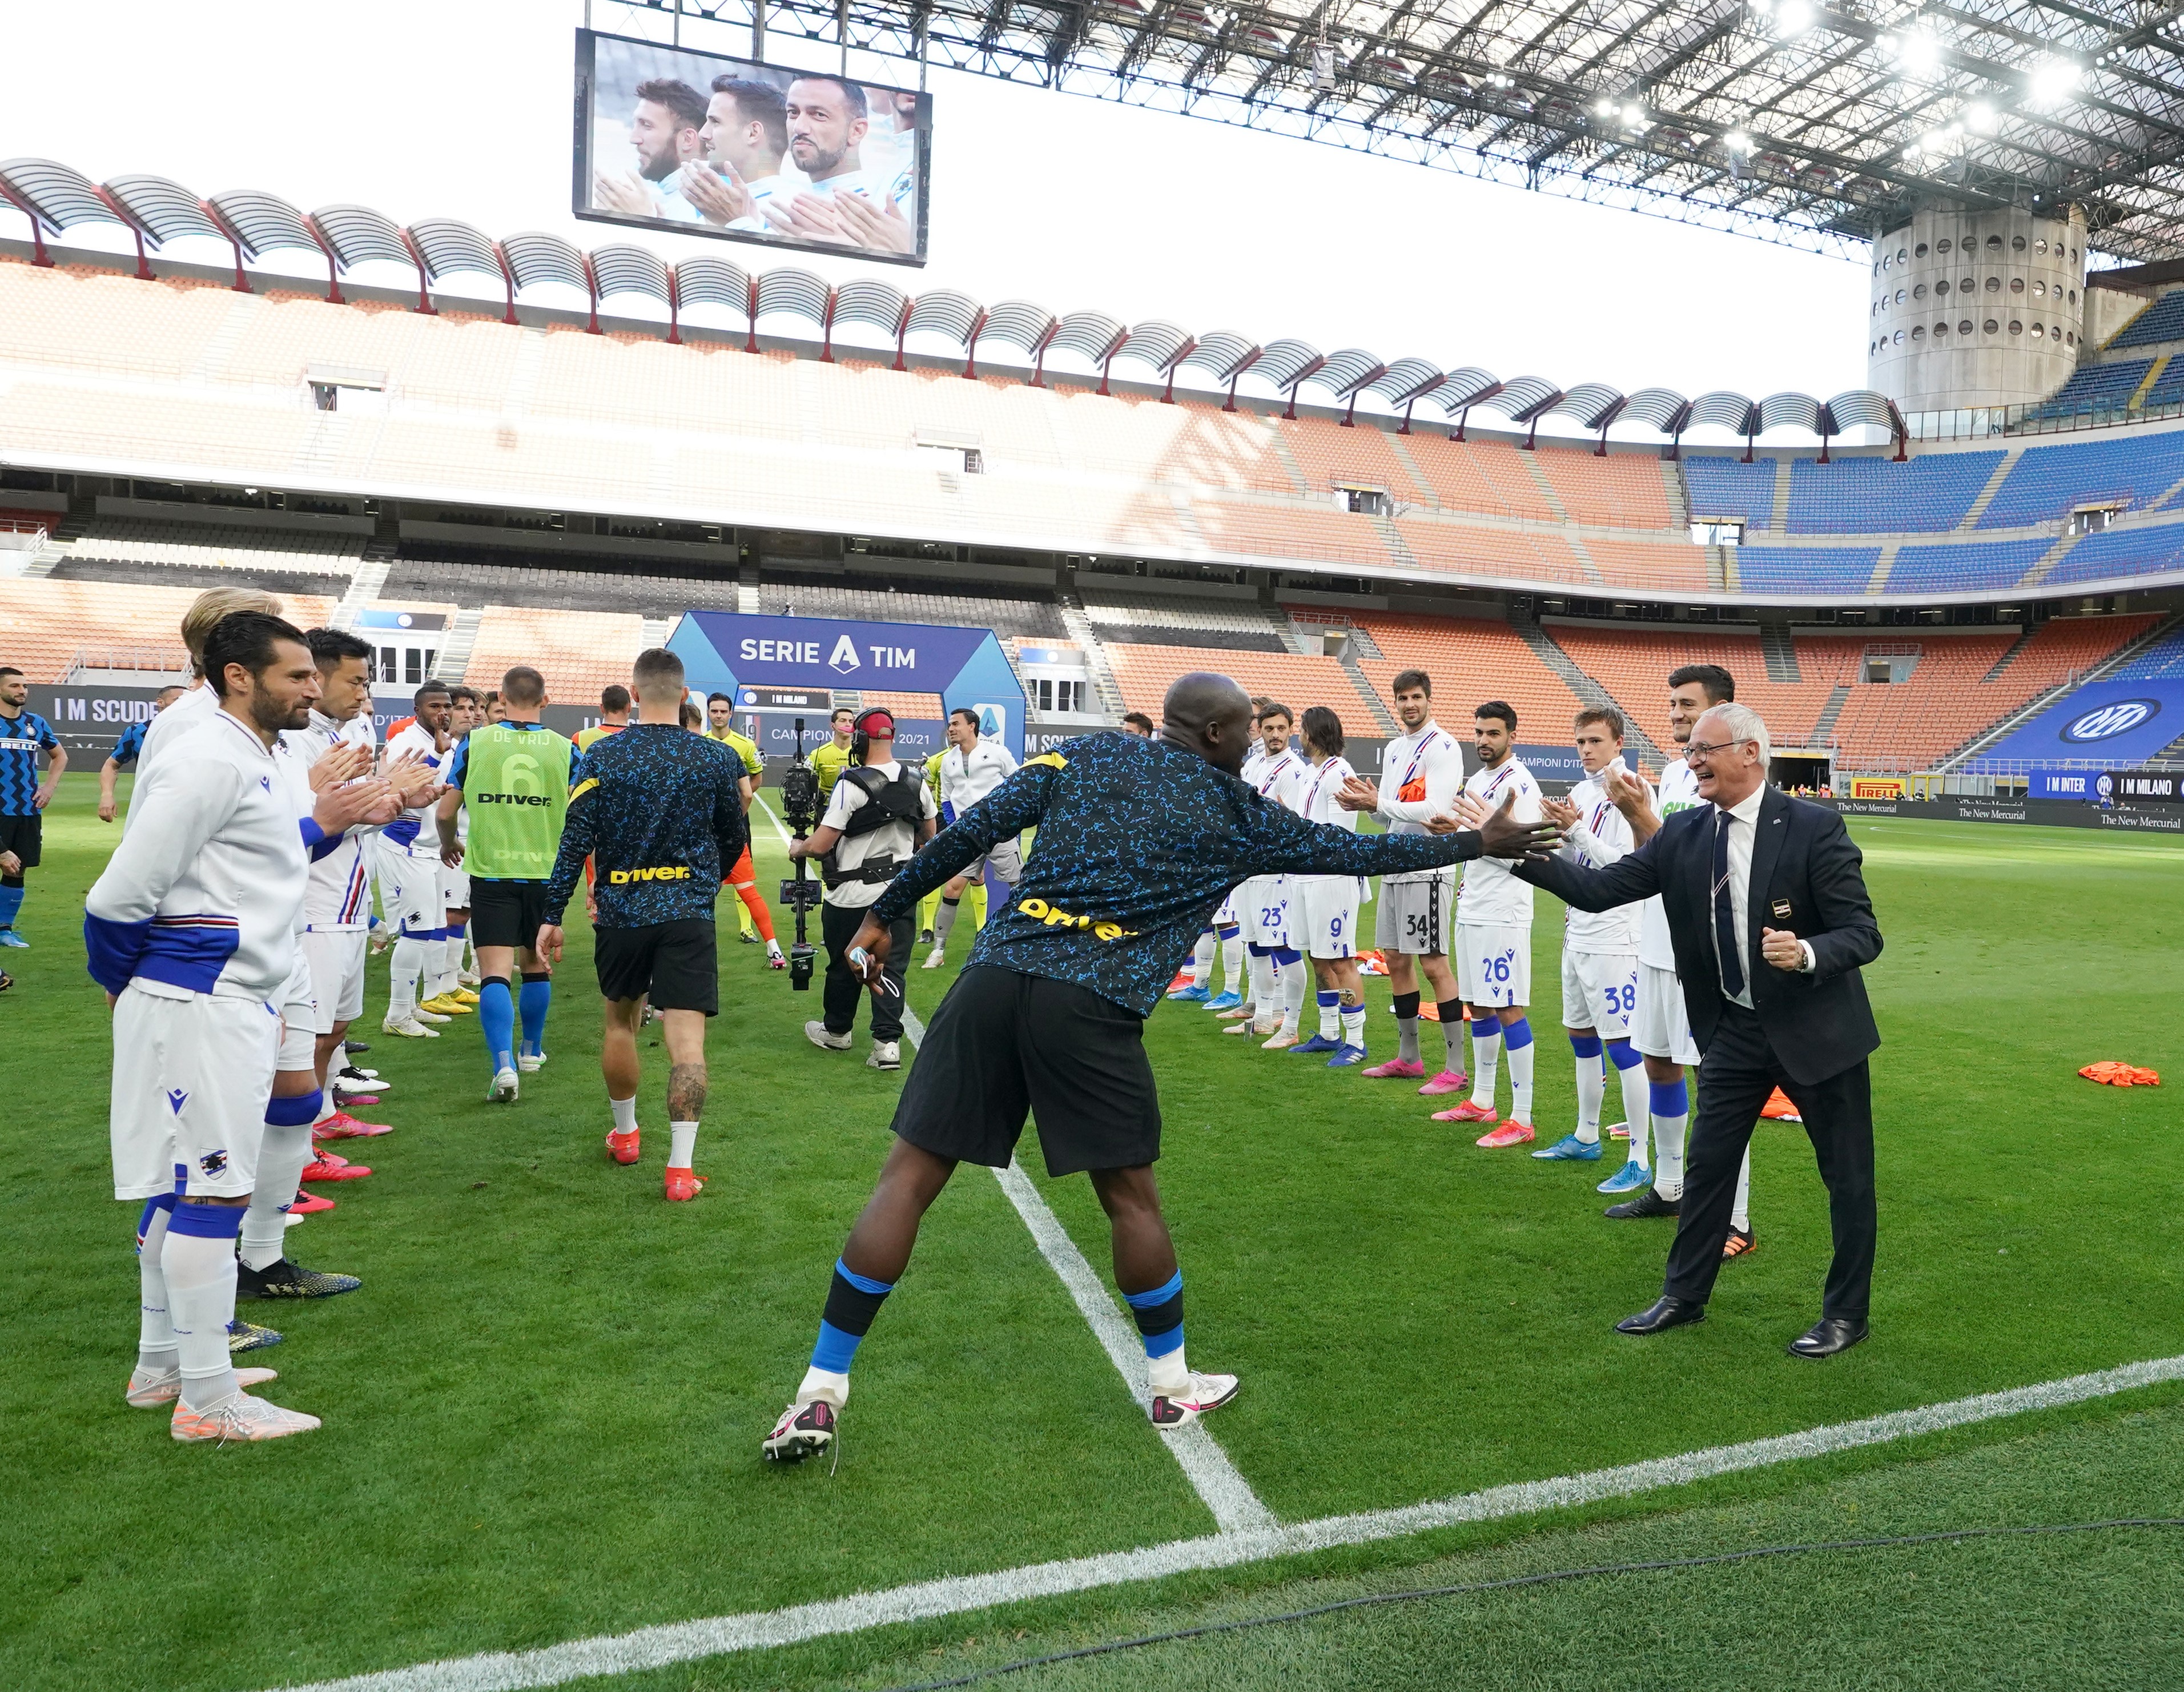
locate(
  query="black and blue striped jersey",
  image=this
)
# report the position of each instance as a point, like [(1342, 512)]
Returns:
[(24, 740), (660, 811), (1138, 842), (129, 745)]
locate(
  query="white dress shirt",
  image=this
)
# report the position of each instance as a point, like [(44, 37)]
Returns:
[(1743, 823)]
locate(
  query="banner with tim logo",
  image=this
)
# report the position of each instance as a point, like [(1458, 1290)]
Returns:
[(2114, 724)]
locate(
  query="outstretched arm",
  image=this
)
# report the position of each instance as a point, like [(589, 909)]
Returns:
[(1016, 805), (1636, 875)]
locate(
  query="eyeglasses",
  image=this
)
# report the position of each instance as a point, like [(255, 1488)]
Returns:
[(1698, 749)]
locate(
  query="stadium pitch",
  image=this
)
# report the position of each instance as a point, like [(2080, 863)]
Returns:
[(543, 1411)]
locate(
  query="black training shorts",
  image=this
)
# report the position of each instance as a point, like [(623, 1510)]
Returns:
[(1002, 1045), (23, 836), (506, 913), (675, 962)]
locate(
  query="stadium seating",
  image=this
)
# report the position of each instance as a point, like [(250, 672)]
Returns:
[(1006, 617), (1878, 496), (150, 541), (2064, 647), (1621, 490), (577, 652), (1448, 547), (2112, 553), (1836, 571), (2126, 465), (1670, 565), (1964, 569), (2095, 388), (551, 587), (1151, 620), (2162, 321), (1471, 660), (197, 577), (1144, 673), (1331, 456), (1726, 489), (2167, 387), (1634, 668), (44, 624), (2164, 661)]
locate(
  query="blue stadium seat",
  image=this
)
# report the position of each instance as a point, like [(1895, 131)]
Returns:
[(1877, 496), (2049, 480), (2095, 388), (2164, 321), (2168, 387), (2164, 661), (1964, 569), (1843, 570), (2119, 552), (1724, 488)]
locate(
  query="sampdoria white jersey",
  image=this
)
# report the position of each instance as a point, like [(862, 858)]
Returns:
[(1281, 776), (1420, 776), (1315, 803), (1601, 836), (1491, 894), (203, 894), (878, 186), (1679, 791), (337, 895), (194, 710), (415, 831), (966, 778)]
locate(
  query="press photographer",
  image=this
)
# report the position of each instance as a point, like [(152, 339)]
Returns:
[(881, 812)]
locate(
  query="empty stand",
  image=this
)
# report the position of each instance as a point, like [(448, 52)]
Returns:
[(1006, 617), (1144, 673), (2162, 321), (579, 652), (1973, 568), (197, 577), (1634, 668), (1669, 566), (148, 540), (1149, 620), (1488, 477), (1723, 488), (1471, 660), (1621, 490), (2121, 464), (2094, 388), (2112, 553), (44, 623), (1875, 495), (469, 582), (2164, 661), (1836, 572), (1456, 549)]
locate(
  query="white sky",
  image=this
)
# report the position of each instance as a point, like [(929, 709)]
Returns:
[(461, 109)]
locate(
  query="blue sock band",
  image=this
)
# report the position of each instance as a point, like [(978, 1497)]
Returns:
[(1624, 1055), (1288, 957), (11, 900), (207, 1221), (852, 1301), (1328, 998), (297, 1110), (153, 1206), (1671, 1098), (496, 1015), (537, 1000), (457, 931), (863, 1283), (835, 1350), (1485, 1029), (1159, 1312), (1517, 1035), (1228, 933), (1257, 950), (1585, 1045)]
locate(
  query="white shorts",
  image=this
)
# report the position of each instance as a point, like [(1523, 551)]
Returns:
[(1415, 916), (1323, 914), (1007, 860), (409, 892), (1662, 1027), (454, 889), (1264, 901), (1600, 991), (336, 957), (1228, 916), (190, 1078), (1493, 963)]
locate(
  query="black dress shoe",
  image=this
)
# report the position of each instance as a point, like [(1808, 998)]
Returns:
[(1646, 1203), (1828, 1336), (1664, 1313)]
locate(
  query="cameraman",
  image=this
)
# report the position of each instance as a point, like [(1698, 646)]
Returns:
[(879, 814)]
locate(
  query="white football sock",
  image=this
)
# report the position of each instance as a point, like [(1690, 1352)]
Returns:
[(327, 1105), (1330, 1014), (451, 962), (683, 1144), (1265, 977), (286, 1148), (1637, 1099), (1740, 1215), (823, 1383), (944, 924), (1169, 1374), (407, 964), (1201, 958), (1353, 1026), (155, 1334), (1521, 1062), (1293, 976), (1592, 1087), (201, 1302), (625, 1115), (1669, 1133), (1485, 1061), (1231, 966)]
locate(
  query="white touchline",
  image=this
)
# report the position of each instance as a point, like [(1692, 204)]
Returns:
[(761, 1630)]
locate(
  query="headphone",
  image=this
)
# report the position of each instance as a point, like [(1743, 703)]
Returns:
[(860, 738)]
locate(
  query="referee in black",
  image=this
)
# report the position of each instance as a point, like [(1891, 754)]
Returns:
[(660, 811), (1139, 841)]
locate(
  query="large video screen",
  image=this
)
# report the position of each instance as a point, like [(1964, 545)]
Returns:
[(701, 144)]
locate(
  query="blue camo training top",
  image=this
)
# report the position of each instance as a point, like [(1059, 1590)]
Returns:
[(1139, 841), (660, 811)]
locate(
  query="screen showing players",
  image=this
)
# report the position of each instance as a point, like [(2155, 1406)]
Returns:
[(707, 145)]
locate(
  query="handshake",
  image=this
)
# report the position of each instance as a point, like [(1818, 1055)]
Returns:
[(1500, 834)]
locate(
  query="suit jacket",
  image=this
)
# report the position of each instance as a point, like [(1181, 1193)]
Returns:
[(1805, 878)]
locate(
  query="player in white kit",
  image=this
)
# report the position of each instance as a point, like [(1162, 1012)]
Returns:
[(1600, 948), (971, 767), (1278, 777), (1494, 939), (466, 712), (192, 931), (410, 896), (1663, 1033), (1323, 909), (1421, 778)]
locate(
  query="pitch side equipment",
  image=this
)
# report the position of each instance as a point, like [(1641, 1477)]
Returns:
[(799, 805)]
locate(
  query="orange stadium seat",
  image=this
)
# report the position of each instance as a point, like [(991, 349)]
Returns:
[(579, 652), (1486, 477), (1280, 529), (1471, 660), (44, 624), (66, 317), (1332, 456), (1143, 673), (1473, 550), (1622, 490), (1671, 566)]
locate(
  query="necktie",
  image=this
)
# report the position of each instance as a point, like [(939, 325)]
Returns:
[(1725, 910)]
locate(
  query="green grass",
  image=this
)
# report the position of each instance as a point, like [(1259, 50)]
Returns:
[(542, 1411)]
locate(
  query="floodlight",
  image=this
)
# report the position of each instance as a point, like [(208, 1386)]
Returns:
[(1979, 118), (2055, 79), (1793, 18), (1736, 141), (1919, 54)]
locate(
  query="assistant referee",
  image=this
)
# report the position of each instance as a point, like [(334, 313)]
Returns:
[(1139, 841), (661, 812)]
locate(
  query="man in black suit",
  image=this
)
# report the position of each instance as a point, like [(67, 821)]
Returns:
[(1771, 925)]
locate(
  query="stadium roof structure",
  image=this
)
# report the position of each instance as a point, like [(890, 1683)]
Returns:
[(1817, 124), (56, 198)]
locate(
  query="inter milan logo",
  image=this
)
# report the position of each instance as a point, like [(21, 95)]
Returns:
[(176, 1098), (213, 1163)]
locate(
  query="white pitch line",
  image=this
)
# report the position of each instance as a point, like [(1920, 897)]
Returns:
[(763, 1629)]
